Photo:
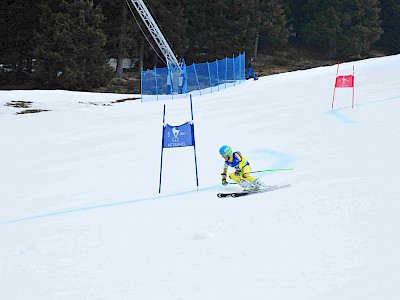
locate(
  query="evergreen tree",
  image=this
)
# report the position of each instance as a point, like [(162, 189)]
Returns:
[(70, 41), (18, 20), (296, 18), (350, 27), (273, 27), (390, 15), (199, 28), (218, 28), (322, 28), (121, 30), (244, 26)]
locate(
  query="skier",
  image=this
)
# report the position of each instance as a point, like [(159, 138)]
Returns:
[(242, 174)]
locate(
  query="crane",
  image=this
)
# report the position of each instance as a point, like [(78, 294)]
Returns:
[(157, 35)]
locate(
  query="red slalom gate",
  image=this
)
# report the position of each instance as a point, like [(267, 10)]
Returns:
[(344, 81)]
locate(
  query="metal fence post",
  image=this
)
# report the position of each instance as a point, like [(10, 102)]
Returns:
[(226, 69), (141, 85), (155, 78), (209, 76), (216, 63), (234, 75), (197, 79)]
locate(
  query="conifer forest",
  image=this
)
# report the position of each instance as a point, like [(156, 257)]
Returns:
[(68, 44)]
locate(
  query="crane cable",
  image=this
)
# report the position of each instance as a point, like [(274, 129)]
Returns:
[(162, 59)]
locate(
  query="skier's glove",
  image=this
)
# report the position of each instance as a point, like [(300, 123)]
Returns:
[(224, 182), (239, 173)]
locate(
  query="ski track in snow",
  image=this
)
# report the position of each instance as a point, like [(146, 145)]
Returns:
[(283, 160), (336, 112)]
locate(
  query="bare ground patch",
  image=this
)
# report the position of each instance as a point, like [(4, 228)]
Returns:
[(24, 104)]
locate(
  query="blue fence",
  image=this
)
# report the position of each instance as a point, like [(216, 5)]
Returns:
[(197, 79)]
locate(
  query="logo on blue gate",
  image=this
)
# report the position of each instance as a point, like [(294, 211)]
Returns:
[(178, 136)]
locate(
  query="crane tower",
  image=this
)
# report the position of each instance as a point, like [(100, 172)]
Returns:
[(157, 35)]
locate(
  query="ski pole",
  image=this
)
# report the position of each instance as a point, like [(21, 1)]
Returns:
[(271, 170), (267, 170)]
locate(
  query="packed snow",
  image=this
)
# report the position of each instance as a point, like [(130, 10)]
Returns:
[(81, 216)]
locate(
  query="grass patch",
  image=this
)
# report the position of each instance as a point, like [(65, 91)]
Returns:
[(31, 111), (19, 104), (126, 99), (24, 104), (95, 103)]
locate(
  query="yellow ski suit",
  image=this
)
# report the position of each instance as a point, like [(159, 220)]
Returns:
[(242, 166)]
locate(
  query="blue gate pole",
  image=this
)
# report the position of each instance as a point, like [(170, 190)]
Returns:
[(162, 151), (194, 144)]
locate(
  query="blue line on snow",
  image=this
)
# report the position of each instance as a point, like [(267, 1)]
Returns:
[(70, 211), (283, 161), (86, 208), (335, 112)]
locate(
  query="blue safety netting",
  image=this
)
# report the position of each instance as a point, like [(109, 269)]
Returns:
[(201, 78)]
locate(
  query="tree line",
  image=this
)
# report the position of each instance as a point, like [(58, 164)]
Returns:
[(67, 43)]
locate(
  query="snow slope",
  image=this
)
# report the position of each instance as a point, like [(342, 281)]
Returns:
[(81, 217)]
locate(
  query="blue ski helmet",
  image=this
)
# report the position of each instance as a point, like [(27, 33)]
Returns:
[(225, 151)]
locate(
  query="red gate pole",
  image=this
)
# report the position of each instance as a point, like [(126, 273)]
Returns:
[(352, 103), (334, 89)]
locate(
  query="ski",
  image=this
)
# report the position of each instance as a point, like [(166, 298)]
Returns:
[(223, 195), (268, 189), (246, 193)]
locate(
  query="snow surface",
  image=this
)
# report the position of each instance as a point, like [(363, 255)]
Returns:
[(81, 217)]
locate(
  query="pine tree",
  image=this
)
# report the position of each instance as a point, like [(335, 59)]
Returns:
[(70, 41), (361, 27), (18, 20), (350, 27), (390, 15), (121, 30), (273, 26), (201, 32), (296, 17), (219, 28), (243, 26)]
